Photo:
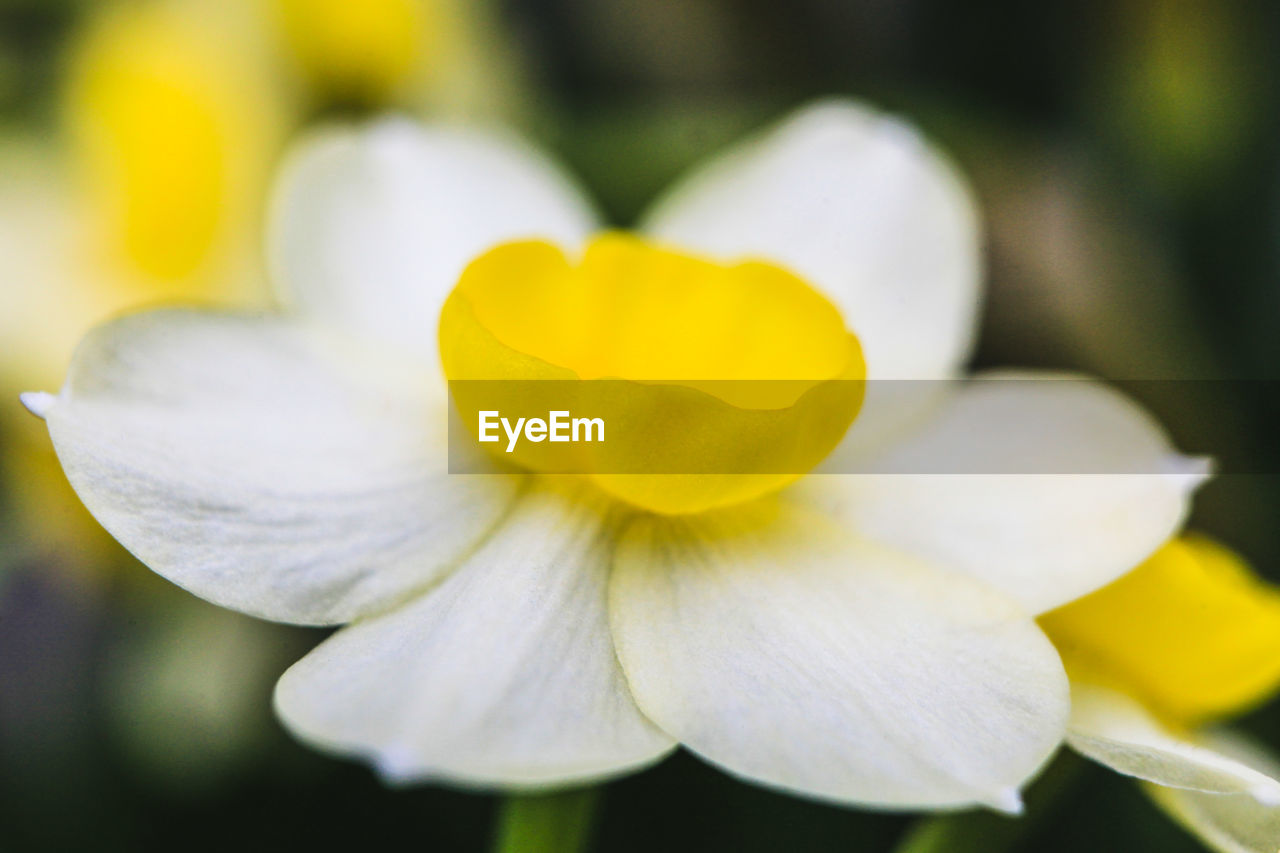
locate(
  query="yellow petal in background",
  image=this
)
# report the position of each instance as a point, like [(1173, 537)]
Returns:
[(452, 56), (359, 51), (1193, 632), (174, 126)]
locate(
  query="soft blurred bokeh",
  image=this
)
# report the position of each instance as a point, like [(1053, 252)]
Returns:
[(1127, 155)]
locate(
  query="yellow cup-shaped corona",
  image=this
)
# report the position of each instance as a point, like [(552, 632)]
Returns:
[(716, 383)]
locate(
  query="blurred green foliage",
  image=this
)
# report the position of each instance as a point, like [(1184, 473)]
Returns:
[(31, 33)]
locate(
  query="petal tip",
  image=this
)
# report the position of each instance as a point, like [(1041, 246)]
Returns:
[(38, 403), (1007, 801), (395, 766), (1267, 794), (1193, 471)]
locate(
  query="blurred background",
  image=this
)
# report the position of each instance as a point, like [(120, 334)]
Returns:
[(1127, 155)]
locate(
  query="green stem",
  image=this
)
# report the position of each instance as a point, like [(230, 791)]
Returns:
[(546, 823), (987, 832)]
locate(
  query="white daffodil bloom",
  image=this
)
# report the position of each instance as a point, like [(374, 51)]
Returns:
[(1189, 637), (859, 639)]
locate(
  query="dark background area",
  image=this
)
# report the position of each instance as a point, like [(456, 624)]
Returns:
[(1127, 155)]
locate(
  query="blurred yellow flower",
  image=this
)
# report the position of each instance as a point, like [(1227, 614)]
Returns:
[(174, 123), (173, 113), (362, 51), (444, 54)]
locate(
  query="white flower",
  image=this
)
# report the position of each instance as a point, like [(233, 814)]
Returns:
[(861, 639)]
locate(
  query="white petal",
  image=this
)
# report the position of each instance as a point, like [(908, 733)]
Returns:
[(1229, 823), (504, 675), (860, 206), (266, 467), (371, 228), (1118, 731), (789, 653), (1044, 537)]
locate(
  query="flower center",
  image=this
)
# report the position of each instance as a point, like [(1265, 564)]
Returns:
[(716, 383)]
